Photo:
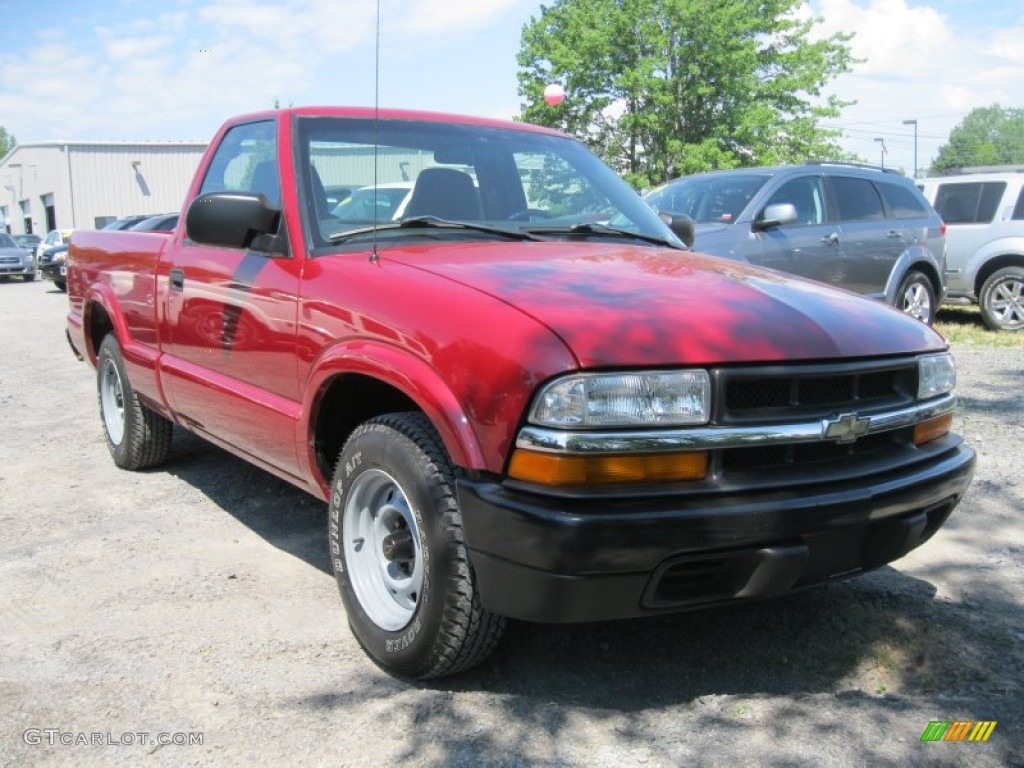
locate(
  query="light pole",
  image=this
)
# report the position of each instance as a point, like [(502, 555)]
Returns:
[(881, 154), (913, 123)]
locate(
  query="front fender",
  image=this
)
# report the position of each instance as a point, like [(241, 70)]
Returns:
[(404, 372)]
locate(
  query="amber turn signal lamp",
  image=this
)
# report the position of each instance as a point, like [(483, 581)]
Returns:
[(557, 469), (929, 430)]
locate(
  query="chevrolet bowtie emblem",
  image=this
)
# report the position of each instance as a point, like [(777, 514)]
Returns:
[(845, 428)]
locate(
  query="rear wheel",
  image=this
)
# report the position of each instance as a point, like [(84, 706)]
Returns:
[(399, 555), (137, 437), (916, 297), (1002, 300)]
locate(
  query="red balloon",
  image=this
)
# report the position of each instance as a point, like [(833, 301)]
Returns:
[(554, 95)]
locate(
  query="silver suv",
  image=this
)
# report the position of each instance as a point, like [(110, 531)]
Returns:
[(985, 256), (858, 227)]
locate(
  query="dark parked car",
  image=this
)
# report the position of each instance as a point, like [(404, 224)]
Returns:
[(15, 260), (856, 227), (27, 241), (52, 266), (125, 222), (164, 222)]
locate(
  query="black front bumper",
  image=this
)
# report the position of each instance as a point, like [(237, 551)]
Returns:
[(53, 271), (548, 559)]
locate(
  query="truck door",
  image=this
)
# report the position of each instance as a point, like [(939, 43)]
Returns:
[(229, 318)]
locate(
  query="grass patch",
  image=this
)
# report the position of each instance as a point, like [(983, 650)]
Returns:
[(963, 325)]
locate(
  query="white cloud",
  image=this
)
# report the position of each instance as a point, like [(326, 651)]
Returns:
[(918, 64), (178, 74), (891, 37)]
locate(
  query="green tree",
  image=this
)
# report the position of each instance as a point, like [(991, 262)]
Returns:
[(987, 136), (7, 141), (661, 88)]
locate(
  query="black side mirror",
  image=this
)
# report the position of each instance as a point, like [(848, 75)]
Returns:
[(230, 219), (776, 215), (680, 224)]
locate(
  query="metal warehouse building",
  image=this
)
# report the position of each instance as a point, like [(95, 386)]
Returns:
[(85, 184)]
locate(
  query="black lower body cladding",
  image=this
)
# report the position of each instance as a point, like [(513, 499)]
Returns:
[(545, 559)]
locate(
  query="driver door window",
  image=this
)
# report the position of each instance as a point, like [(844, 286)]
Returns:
[(807, 196), (246, 161)]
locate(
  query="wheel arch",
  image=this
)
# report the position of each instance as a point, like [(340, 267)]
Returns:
[(929, 270), (100, 316), (916, 259), (356, 382), (993, 265)]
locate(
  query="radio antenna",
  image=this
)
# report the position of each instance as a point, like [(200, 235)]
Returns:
[(374, 256)]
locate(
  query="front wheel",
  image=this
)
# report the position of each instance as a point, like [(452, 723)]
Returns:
[(399, 555), (61, 285), (1002, 300), (916, 297), (137, 437)]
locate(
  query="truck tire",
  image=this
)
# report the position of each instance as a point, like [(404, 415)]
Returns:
[(399, 554), (916, 297), (1002, 300), (137, 437)]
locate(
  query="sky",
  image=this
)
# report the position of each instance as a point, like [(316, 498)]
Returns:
[(174, 70)]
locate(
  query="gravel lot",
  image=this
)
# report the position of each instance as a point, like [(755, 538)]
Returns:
[(198, 599)]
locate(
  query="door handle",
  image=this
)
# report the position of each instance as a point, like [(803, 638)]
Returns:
[(177, 280), (832, 239), (894, 234)]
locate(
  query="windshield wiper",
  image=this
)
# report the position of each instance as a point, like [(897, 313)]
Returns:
[(431, 222), (593, 228)]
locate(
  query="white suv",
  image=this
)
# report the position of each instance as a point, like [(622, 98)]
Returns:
[(984, 214)]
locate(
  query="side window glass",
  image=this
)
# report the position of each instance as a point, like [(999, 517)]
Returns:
[(856, 199), (969, 202), (902, 202), (1018, 209), (246, 161), (806, 195), (991, 194)]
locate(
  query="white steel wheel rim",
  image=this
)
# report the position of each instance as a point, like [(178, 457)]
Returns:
[(382, 549), (112, 401)]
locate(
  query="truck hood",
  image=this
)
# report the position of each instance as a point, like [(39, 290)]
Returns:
[(621, 305)]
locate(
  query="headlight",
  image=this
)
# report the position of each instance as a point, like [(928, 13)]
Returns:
[(59, 258), (659, 398), (936, 375)]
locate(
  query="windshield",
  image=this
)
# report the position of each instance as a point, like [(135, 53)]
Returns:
[(496, 179), (707, 198), (7, 242)]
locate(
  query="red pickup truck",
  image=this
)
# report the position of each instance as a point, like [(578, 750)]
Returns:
[(521, 394)]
